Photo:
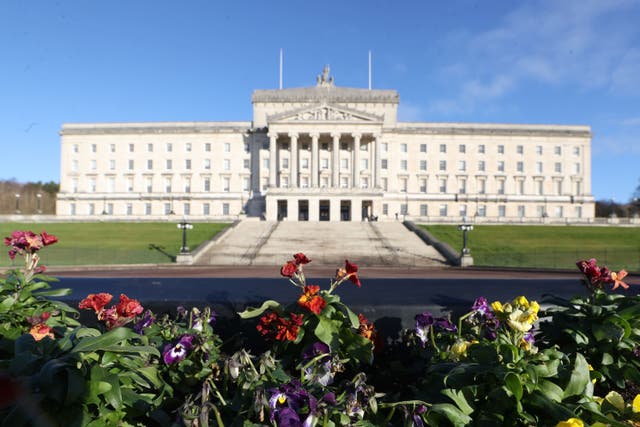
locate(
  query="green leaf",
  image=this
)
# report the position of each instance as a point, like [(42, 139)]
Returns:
[(353, 318), (53, 293), (140, 349), (552, 390), (6, 304), (607, 359), (327, 331), (513, 384), (579, 377), (114, 395), (254, 312), (458, 397), (453, 414), (106, 341)]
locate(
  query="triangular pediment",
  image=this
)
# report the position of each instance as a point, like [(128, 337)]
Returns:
[(325, 113)]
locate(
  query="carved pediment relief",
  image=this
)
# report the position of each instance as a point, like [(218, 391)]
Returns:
[(325, 113)]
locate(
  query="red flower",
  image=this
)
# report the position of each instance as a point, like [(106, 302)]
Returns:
[(95, 301), (48, 239), (368, 331), (616, 279), (311, 300), (273, 326), (40, 331), (128, 307), (352, 272), (301, 258), (289, 269)]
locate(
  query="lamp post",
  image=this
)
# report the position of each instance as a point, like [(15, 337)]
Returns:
[(184, 226), (465, 256), (38, 203), (17, 203)]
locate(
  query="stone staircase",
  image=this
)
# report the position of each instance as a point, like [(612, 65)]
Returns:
[(253, 242)]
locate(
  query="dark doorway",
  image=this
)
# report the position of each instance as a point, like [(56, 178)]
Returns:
[(324, 210), (345, 210), (367, 210), (282, 209), (303, 210)]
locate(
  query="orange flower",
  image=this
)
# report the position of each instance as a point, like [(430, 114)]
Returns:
[(617, 279), (311, 300), (96, 301), (40, 331), (128, 307), (274, 326), (289, 269)]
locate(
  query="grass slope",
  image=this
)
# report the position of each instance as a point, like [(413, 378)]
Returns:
[(546, 246), (113, 243)]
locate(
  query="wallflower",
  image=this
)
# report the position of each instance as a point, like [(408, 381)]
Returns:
[(352, 272), (178, 352), (22, 242), (311, 300), (289, 269), (571, 422), (95, 301), (124, 312), (301, 258), (128, 307), (40, 331), (273, 326)]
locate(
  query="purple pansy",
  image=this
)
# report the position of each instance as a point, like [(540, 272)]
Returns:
[(321, 371), (147, 320), (424, 321), (286, 403), (481, 306), (176, 353)]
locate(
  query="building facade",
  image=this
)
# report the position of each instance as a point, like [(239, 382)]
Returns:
[(326, 153)]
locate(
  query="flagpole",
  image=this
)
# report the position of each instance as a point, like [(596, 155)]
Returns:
[(369, 70), (280, 68)]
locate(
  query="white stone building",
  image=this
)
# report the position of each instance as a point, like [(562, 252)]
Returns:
[(326, 153)]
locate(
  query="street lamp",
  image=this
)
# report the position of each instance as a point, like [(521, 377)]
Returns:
[(465, 227), (38, 203), (17, 203), (184, 226)]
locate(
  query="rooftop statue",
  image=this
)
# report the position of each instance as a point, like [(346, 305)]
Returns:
[(323, 79)]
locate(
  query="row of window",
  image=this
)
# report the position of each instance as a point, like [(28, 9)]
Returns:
[(168, 147), (481, 211), (500, 149), (167, 209), (206, 164), (148, 185)]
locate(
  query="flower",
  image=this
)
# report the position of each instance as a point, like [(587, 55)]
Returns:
[(321, 372), (635, 406), (22, 242), (40, 331), (616, 278), (311, 300), (481, 306), (288, 401), (352, 272), (48, 239), (496, 306), (289, 269), (274, 326), (301, 258), (128, 307), (147, 320), (424, 321), (95, 301), (571, 422), (459, 348), (178, 352)]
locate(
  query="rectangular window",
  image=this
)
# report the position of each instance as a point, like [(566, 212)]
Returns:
[(520, 149), (169, 164), (364, 164), (403, 185), (187, 164), (559, 212), (111, 184), (423, 148), (225, 209), (443, 148), (227, 147), (226, 184), (462, 148), (147, 208), (576, 151), (148, 182), (500, 149), (265, 164), (110, 208), (305, 163), (403, 165), (227, 164), (150, 148), (92, 185), (424, 210), (384, 147), (207, 147), (129, 209), (481, 148), (385, 183), (462, 165), (558, 167), (385, 209), (129, 184), (520, 186), (187, 185), (578, 211), (169, 147), (502, 211), (404, 209), (443, 185), (94, 148), (206, 209), (112, 148), (557, 150), (403, 148), (112, 164), (285, 163), (501, 186), (540, 187), (539, 150), (423, 185), (482, 186), (74, 185), (246, 183), (501, 166), (520, 167), (344, 182), (521, 211), (131, 148), (186, 209), (305, 182), (423, 165), (167, 185), (207, 164), (74, 166), (246, 147), (443, 210), (559, 187), (481, 166), (344, 163), (462, 211), (541, 212), (207, 184), (324, 182), (75, 148), (167, 208), (187, 147), (538, 167), (443, 165), (463, 186), (482, 210), (325, 163), (364, 183), (384, 163), (149, 164), (576, 168), (130, 165)]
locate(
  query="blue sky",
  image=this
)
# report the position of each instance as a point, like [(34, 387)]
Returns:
[(556, 62)]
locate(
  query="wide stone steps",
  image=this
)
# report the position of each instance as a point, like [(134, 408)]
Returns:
[(253, 242)]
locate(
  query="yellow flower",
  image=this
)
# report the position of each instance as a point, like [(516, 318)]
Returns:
[(459, 348), (594, 380), (496, 306), (521, 301), (534, 306), (519, 320), (636, 404), (571, 422)]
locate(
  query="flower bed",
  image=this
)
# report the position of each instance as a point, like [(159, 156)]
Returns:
[(502, 363)]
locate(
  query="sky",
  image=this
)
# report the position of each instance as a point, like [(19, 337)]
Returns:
[(537, 61)]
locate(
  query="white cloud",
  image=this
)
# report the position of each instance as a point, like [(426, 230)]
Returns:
[(632, 121)]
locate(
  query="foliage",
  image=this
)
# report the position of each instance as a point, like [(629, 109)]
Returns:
[(326, 365)]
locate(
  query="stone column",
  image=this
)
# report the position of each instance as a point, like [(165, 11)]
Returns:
[(376, 161), (273, 138), (335, 167), (356, 160), (294, 160), (314, 161)]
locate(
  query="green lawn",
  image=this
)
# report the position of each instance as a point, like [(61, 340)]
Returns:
[(546, 246), (113, 243)]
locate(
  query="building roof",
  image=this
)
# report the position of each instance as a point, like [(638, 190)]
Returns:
[(325, 93)]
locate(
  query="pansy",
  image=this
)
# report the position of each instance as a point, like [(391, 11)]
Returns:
[(40, 331), (289, 402), (321, 371), (571, 422), (481, 306), (424, 321), (147, 320), (178, 352)]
